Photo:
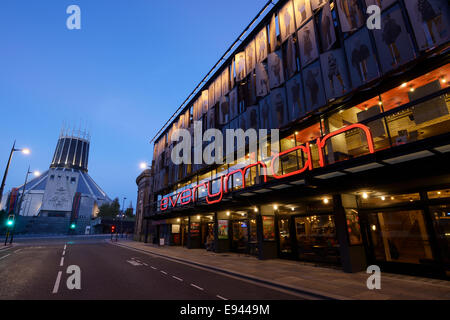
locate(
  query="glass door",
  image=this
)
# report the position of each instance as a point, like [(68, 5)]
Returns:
[(240, 236), (284, 230)]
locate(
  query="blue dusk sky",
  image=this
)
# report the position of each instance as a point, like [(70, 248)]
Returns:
[(122, 76)]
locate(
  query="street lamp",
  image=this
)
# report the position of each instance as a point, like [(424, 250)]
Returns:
[(13, 149), (143, 165), (36, 174)]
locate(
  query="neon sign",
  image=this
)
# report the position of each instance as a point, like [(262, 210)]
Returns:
[(189, 196)]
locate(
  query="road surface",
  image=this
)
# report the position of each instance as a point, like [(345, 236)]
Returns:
[(93, 268)]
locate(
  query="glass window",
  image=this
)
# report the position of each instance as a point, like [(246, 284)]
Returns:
[(354, 229), (417, 88), (316, 238), (285, 238), (289, 162), (441, 222), (400, 236), (268, 228), (380, 200), (440, 194), (354, 143)]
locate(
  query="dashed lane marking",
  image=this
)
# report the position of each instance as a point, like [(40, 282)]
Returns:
[(18, 250), (179, 279), (62, 262), (5, 256), (220, 297), (58, 280), (163, 272), (197, 287), (153, 268)]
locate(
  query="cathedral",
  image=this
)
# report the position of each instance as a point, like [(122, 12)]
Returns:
[(64, 195)]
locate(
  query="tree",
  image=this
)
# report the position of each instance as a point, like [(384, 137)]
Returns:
[(110, 210), (129, 212)]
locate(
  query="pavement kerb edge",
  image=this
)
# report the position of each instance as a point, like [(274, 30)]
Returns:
[(315, 294)]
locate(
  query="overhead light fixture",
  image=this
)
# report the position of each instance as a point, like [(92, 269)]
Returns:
[(383, 198), (292, 209), (275, 207), (255, 209), (326, 201), (404, 84), (365, 195), (374, 227), (228, 213)]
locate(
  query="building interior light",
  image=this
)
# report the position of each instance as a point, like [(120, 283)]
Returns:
[(374, 227), (198, 217), (412, 89), (178, 220), (275, 207), (292, 209), (383, 198), (365, 195), (255, 209), (404, 84), (392, 198), (228, 213), (326, 201)]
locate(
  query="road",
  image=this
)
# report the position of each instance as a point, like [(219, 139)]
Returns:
[(93, 268)]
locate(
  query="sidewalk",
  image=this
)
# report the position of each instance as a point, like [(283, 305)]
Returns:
[(305, 277)]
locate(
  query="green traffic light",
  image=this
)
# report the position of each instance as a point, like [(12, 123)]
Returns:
[(72, 226), (10, 223)]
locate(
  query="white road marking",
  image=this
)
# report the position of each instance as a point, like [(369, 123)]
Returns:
[(64, 253), (18, 250), (65, 246), (134, 263), (220, 297), (197, 287), (62, 262), (164, 272), (153, 268), (5, 256), (179, 279), (145, 264), (58, 279)]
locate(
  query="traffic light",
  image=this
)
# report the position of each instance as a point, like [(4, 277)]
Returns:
[(10, 221), (73, 226), (113, 229)]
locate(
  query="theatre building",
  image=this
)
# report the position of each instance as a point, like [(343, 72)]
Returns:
[(364, 149)]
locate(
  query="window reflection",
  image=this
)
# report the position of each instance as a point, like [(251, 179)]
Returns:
[(316, 238), (400, 236)]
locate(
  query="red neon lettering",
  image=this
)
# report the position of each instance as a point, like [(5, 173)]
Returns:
[(184, 197), (174, 204), (219, 194), (164, 204), (308, 164), (322, 141)]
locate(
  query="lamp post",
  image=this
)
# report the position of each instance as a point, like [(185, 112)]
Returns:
[(123, 215), (36, 174), (13, 149)]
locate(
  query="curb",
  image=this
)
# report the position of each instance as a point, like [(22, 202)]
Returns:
[(315, 294)]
